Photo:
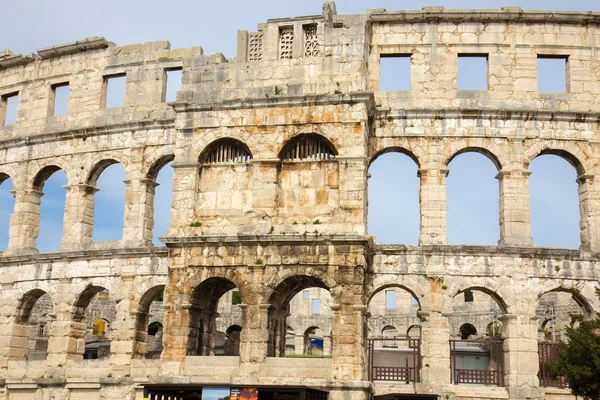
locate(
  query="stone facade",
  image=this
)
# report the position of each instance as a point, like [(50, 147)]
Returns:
[(271, 152)]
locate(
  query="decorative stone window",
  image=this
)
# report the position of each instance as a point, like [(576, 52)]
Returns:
[(311, 41), (255, 42), (225, 151), (286, 42), (310, 146)]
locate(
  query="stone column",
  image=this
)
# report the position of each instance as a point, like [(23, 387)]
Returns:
[(24, 222), (139, 211), (123, 330), (432, 197), (176, 325), (79, 217), (514, 208), (67, 338), (185, 191), (299, 344), (521, 361), (327, 345), (349, 358), (589, 209)]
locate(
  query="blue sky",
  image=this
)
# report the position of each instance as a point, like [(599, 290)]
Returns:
[(393, 188)]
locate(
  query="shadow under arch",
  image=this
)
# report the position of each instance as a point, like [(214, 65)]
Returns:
[(395, 149), (495, 296), (143, 317), (42, 176), (159, 164), (279, 302), (24, 334), (204, 302), (225, 150), (307, 146), (578, 297), (480, 150), (565, 155), (97, 170), (393, 286)]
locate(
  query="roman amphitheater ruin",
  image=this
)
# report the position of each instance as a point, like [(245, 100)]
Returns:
[(268, 278)]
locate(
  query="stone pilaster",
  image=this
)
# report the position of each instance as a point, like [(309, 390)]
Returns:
[(24, 222), (432, 197), (185, 191), (257, 339), (139, 211), (515, 228), (589, 209), (176, 323), (79, 217), (521, 361), (349, 354)]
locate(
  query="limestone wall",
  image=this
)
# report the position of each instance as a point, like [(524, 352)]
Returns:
[(270, 152)]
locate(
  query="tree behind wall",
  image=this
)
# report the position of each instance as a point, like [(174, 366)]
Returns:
[(579, 358)]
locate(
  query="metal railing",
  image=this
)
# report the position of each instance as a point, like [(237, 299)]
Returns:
[(547, 354), (403, 361), (490, 352)]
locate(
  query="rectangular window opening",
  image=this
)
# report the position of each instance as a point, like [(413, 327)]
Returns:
[(114, 91), (173, 83), (552, 73), (9, 108), (61, 93), (316, 306), (394, 72), (390, 299), (472, 72), (306, 294)]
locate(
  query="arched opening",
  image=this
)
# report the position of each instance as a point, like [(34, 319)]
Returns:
[(96, 309), (393, 353), (225, 151), (225, 169), (308, 146), (149, 325), (300, 301), (109, 202), (476, 356), (159, 196), (557, 310), (473, 198), (231, 345), (33, 325), (414, 332), (313, 341), (393, 207), (212, 312), (554, 200), (51, 181), (467, 331), (7, 206)]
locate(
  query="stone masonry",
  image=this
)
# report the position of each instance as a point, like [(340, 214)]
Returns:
[(271, 151)]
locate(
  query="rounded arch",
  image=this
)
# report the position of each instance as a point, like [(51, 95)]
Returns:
[(148, 297), (566, 154), (233, 328), (410, 332), (154, 327), (98, 168), (284, 292), (86, 296), (577, 295), (475, 149), (395, 149), (43, 174), (393, 286), (159, 164), (307, 146), (26, 304), (497, 297), (467, 330), (225, 150)]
